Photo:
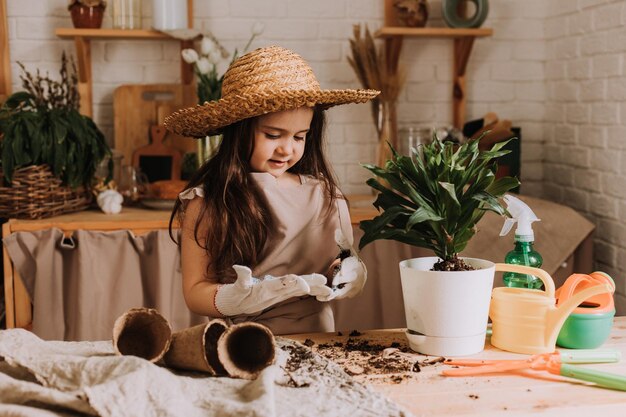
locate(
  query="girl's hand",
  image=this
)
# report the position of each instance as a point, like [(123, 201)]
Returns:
[(352, 274), (332, 271), (349, 281), (249, 295)]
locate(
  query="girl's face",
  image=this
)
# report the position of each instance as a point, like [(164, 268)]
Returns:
[(279, 140)]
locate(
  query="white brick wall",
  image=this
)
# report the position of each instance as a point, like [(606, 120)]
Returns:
[(505, 73), (588, 38), (556, 68)]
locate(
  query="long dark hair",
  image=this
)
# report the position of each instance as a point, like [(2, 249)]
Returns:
[(238, 219)]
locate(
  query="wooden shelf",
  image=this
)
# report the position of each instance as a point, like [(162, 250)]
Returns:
[(392, 31), (82, 41), (463, 41), (110, 33)]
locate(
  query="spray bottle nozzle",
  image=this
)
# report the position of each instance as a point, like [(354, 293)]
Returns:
[(520, 214)]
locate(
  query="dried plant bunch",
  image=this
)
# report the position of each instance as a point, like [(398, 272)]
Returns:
[(370, 66), (49, 94), (434, 198), (42, 125)]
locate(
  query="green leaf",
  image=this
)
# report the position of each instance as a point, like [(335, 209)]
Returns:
[(33, 131), (449, 188), (19, 154), (60, 132), (502, 185), (490, 203), (421, 215), (379, 222), (17, 99)]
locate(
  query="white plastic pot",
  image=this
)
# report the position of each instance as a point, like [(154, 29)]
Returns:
[(446, 312)]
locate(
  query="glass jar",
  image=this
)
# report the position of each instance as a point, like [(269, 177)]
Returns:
[(112, 172), (133, 184), (127, 14), (169, 14), (412, 137)]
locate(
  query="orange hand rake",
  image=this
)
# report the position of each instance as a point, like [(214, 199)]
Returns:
[(558, 363)]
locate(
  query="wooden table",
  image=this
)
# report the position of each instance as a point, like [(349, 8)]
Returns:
[(525, 393)]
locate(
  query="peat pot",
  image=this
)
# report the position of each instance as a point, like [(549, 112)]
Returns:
[(446, 311)]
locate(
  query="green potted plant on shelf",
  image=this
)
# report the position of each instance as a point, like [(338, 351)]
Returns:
[(434, 199), (49, 151)]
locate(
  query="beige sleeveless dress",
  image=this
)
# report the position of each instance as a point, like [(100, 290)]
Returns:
[(303, 242)]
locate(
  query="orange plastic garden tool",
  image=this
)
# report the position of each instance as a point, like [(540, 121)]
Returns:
[(558, 363)]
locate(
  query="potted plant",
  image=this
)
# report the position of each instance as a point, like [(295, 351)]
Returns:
[(434, 199), (49, 151)]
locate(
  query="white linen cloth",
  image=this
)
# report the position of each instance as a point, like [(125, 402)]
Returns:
[(44, 378)]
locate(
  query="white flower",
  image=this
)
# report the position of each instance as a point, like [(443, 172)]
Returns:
[(204, 66), (207, 46), (189, 55), (215, 57), (258, 28)]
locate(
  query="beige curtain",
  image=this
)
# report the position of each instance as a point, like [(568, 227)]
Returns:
[(80, 285)]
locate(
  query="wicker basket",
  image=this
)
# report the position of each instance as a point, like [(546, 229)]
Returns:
[(35, 193)]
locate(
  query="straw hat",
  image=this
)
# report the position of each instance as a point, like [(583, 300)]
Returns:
[(263, 81)]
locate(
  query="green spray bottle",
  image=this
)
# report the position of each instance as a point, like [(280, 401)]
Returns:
[(523, 253)]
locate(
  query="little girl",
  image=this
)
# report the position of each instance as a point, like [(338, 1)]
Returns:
[(261, 220)]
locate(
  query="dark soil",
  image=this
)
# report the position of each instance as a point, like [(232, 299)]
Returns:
[(374, 362), (297, 355), (453, 264)]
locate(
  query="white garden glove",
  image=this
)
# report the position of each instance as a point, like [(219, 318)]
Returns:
[(351, 275), (249, 295)]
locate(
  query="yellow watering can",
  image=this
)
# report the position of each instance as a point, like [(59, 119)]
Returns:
[(528, 321)]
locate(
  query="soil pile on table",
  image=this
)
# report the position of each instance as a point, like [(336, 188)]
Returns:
[(370, 361)]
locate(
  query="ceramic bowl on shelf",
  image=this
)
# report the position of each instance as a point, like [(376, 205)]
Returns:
[(412, 13), (87, 14)]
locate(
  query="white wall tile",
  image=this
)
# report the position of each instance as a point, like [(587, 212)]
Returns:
[(334, 9), (607, 17), (258, 9), (606, 65), (593, 90), (593, 43), (592, 136), (604, 113), (29, 8)]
